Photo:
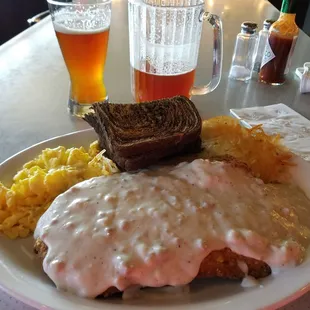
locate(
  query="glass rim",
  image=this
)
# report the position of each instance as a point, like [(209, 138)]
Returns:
[(61, 3), (168, 6)]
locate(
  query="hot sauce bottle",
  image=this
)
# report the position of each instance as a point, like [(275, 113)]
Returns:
[(280, 45)]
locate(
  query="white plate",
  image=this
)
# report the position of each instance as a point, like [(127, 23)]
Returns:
[(22, 277)]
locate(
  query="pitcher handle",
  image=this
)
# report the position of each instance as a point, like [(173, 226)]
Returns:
[(216, 24)]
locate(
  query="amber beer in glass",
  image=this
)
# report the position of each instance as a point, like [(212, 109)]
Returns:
[(82, 29), (150, 86), (164, 38)]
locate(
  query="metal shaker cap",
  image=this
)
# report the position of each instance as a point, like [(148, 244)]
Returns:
[(268, 23), (249, 27)]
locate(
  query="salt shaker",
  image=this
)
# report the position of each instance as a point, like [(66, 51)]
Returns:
[(260, 47), (243, 58)]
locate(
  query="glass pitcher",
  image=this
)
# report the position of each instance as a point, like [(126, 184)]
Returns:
[(164, 39)]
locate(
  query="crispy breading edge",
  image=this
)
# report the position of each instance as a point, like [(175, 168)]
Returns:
[(221, 263)]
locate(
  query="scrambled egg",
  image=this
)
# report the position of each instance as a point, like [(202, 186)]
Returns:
[(42, 180)]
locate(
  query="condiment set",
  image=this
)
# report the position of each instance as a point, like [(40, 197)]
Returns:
[(268, 54)]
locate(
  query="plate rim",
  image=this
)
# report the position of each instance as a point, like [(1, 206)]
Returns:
[(43, 142), (294, 296)]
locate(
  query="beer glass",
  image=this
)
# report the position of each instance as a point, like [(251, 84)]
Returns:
[(164, 39), (82, 29)]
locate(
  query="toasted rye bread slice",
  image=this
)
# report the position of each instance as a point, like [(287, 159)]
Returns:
[(222, 264), (138, 135)]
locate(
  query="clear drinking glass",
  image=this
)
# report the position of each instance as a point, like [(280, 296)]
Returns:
[(82, 29), (164, 38)]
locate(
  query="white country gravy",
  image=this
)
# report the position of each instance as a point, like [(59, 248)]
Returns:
[(155, 227)]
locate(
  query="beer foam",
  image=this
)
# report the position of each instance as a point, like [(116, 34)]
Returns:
[(82, 20), (73, 30)]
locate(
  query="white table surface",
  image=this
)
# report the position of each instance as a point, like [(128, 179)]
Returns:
[(34, 85)]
